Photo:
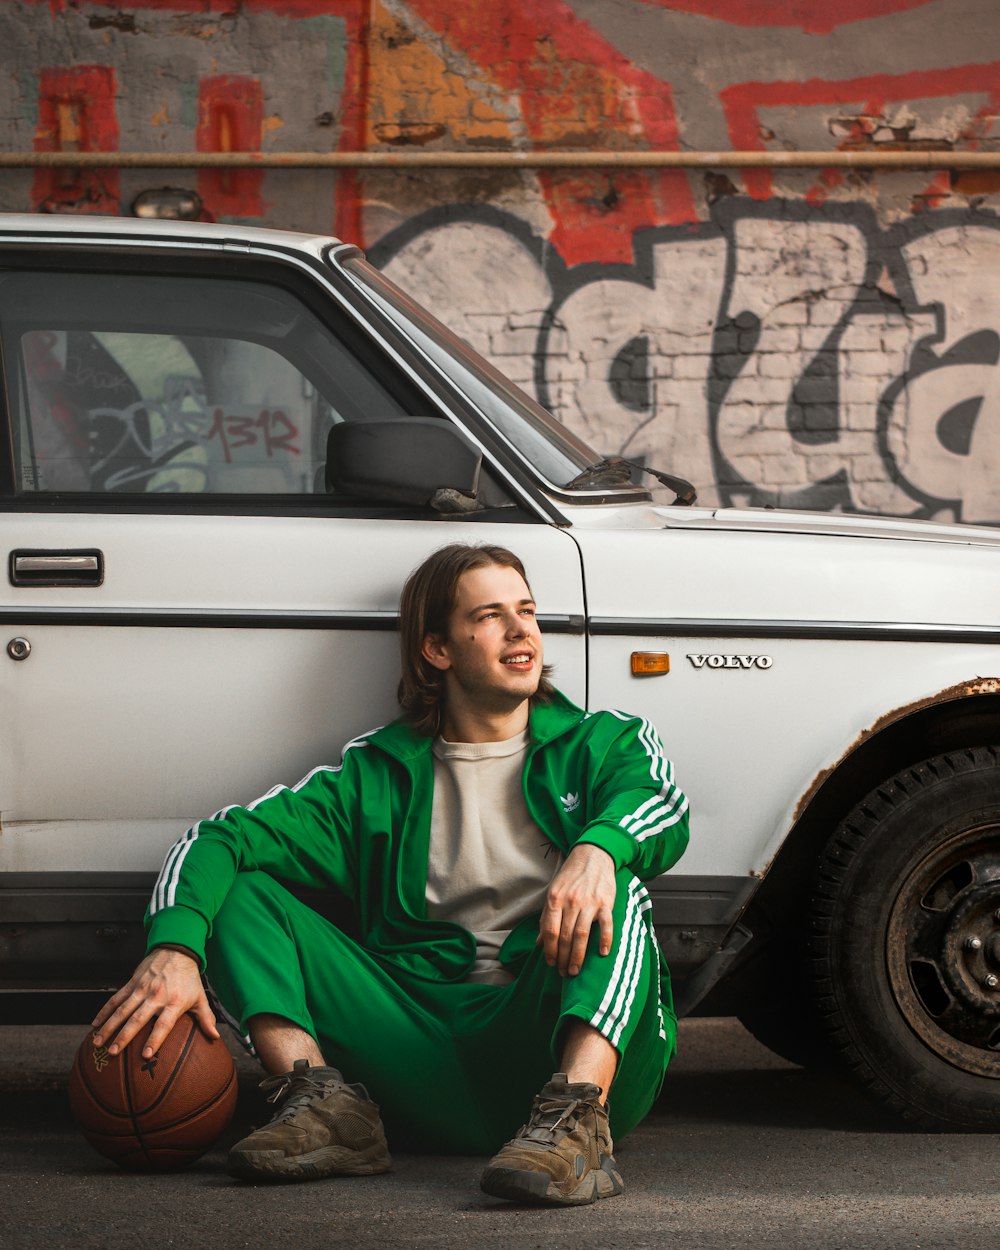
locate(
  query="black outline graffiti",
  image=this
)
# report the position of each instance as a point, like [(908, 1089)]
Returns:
[(732, 338), (924, 358), (831, 492)]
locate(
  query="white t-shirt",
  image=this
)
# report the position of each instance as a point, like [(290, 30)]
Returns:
[(489, 864)]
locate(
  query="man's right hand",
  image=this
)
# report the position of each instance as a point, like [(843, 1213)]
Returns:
[(165, 985)]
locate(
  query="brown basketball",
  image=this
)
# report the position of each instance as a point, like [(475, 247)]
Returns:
[(155, 1114)]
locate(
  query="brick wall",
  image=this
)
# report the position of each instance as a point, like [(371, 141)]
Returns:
[(817, 338)]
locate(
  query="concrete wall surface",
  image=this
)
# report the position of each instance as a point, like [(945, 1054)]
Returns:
[(824, 338)]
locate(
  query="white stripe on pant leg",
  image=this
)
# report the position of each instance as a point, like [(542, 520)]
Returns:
[(631, 941), (609, 993), (620, 957), (633, 988), (659, 979), (629, 981), (626, 992), (611, 1017), (607, 1013)]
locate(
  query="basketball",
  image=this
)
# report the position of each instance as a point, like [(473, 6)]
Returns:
[(152, 1115)]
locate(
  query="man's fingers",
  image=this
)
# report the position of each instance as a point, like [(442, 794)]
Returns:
[(110, 1006), (575, 938), (130, 1026), (549, 933), (566, 945), (574, 945), (113, 1023), (165, 985), (165, 1021), (206, 1019), (577, 952), (581, 895), (607, 925)]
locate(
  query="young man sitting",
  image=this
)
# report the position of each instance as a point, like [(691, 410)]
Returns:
[(492, 844)]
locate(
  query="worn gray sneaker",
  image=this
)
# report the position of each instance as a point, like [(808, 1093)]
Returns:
[(323, 1127), (562, 1156)]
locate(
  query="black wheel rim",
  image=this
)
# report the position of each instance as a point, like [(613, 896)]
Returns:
[(943, 950)]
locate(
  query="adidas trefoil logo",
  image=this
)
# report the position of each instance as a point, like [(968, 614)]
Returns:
[(570, 802)]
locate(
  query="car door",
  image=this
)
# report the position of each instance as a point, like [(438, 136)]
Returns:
[(189, 617)]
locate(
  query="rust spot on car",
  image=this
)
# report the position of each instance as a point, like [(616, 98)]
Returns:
[(962, 690), (816, 785)]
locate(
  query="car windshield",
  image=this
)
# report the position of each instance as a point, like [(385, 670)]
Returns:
[(549, 447)]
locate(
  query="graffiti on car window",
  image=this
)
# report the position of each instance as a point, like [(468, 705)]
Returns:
[(173, 445), (273, 431)]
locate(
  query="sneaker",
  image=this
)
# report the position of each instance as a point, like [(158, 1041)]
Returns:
[(324, 1127), (562, 1155)]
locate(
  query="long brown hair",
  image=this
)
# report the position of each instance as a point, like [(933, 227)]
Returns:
[(425, 607)]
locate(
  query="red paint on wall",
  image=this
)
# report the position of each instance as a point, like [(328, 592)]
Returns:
[(230, 119), (242, 191), (742, 103), (574, 88), (76, 113), (349, 186), (816, 17)]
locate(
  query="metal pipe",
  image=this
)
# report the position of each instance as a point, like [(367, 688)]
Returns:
[(861, 158)]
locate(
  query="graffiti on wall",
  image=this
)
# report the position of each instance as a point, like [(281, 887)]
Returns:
[(779, 354), (527, 75), (821, 338)]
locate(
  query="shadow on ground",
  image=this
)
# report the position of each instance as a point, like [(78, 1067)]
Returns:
[(721, 1074)]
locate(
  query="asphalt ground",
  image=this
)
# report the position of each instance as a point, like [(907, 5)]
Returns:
[(743, 1150)]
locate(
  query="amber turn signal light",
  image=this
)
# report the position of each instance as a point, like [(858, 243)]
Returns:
[(647, 662)]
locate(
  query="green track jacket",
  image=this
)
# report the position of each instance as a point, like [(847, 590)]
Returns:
[(362, 828)]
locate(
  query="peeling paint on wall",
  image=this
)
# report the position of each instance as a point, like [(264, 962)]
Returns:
[(76, 113)]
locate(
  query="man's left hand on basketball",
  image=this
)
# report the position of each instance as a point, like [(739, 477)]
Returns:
[(166, 984)]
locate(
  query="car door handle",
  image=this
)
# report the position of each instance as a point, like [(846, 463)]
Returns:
[(56, 568)]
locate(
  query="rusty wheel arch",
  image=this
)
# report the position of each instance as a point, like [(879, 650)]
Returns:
[(964, 715)]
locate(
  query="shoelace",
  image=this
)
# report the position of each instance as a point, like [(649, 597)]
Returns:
[(294, 1093), (551, 1120)]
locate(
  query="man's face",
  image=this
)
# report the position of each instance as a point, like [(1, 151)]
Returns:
[(492, 655)]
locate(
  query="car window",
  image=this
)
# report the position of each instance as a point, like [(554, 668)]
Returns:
[(550, 448), (184, 385)]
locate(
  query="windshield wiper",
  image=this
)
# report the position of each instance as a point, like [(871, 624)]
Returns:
[(617, 471)]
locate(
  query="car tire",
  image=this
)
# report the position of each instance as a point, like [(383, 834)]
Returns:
[(781, 1012), (906, 941)]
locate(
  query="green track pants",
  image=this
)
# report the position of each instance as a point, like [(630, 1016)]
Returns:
[(454, 1066)]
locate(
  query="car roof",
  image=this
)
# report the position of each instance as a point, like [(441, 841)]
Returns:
[(87, 228)]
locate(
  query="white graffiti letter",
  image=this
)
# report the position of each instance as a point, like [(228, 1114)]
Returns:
[(795, 280), (954, 268), (675, 319), (485, 285)]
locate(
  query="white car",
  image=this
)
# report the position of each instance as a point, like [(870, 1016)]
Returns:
[(226, 449)]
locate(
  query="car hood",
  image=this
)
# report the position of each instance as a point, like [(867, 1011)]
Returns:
[(827, 524), (767, 566)]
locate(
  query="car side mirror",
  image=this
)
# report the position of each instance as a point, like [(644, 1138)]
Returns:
[(419, 461)]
